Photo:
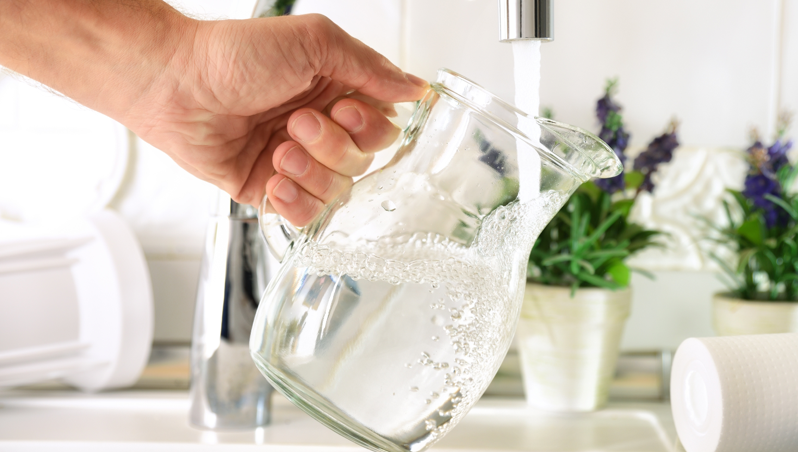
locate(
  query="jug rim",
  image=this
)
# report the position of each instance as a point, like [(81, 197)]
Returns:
[(476, 97)]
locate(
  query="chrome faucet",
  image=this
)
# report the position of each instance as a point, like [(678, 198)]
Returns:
[(525, 19), (227, 390)]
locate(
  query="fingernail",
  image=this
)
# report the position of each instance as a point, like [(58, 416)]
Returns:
[(285, 191), (306, 127), (295, 162), (349, 118), (416, 80)]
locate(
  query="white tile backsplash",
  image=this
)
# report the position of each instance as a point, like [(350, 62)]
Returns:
[(166, 206), (712, 64), (376, 22), (462, 35), (674, 306), (174, 285)]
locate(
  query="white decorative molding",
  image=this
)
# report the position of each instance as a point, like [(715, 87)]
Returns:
[(692, 184)]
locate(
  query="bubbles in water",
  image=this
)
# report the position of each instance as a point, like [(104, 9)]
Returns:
[(388, 205), (475, 279), (430, 424)]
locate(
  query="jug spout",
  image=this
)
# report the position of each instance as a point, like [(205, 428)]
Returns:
[(593, 157)]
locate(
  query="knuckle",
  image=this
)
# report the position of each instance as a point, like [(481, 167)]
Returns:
[(319, 23)]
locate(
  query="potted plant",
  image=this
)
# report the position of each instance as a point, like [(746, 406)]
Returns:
[(577, 297), (761, 232)]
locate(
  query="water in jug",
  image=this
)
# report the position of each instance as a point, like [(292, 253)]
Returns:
[(393, 309)]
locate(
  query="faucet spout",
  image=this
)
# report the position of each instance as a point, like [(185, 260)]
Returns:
[(525, 19)]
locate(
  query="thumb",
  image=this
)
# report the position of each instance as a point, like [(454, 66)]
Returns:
[(345, 59)]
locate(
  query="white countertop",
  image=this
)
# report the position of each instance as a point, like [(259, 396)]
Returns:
[(44, 420)]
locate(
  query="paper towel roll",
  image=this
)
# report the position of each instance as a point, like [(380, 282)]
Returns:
[(737, 393)]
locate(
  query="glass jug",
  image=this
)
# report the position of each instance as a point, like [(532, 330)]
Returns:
[(393, 309)]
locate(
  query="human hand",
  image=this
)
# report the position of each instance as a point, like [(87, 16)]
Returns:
[(227, 100), (266, 104)]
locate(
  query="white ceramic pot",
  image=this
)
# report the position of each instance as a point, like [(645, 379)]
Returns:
[(569, 346), (733, 316)]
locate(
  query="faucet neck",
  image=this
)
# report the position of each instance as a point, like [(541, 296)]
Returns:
[(525, 19)]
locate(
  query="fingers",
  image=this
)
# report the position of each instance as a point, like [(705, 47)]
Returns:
[(291, 201), (367, 126), (319, 181), (347, 60), (317, 166), (328, 143)]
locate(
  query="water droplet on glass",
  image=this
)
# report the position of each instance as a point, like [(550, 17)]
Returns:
[(435, 395), (388, 205), (408, 365), (435, 338), (414, 389), (430, 424), (428, 401), (437, 320)]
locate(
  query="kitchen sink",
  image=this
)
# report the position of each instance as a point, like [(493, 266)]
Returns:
[(157, 421)]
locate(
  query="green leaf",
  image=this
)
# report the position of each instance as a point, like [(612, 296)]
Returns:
[(586, 265), (633, 179), (744, 257), (598, 282), (780, 202), (606, 253), (787, 175), (645, 273), (729, 216), (555, 259), (575, 220), (620, 273), (623, 206), (741, 201), (599, 230), (591, 189), (734, 276), (752, 230)]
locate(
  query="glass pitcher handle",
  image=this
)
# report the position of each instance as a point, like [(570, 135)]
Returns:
[(278, 233)]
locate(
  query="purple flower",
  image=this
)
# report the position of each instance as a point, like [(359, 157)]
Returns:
[(777, 154), (613, 133), (612, 184), (660, 150), (757, 186), (604, 106), (617, 138)]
